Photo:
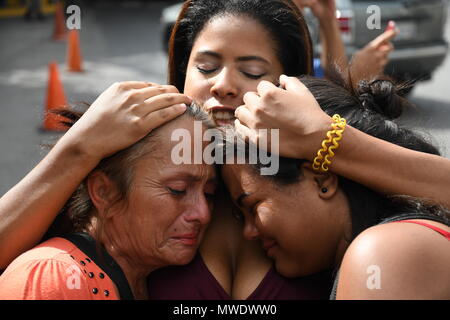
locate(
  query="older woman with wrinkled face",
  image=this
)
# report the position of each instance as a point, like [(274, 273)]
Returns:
[(139, 208), (212, 61)]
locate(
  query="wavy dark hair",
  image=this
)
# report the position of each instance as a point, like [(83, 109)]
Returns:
[(281, 18), (371, 106)]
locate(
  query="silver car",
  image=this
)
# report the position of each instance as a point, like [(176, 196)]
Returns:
[(419, 48)]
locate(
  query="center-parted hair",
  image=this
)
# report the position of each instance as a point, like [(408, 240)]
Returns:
[(372, 106), (283, 20)]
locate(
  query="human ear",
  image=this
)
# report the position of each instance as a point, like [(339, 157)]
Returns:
[(102, 191), (327, 183)]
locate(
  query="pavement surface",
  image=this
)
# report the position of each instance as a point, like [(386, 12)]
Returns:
[(122, 41)]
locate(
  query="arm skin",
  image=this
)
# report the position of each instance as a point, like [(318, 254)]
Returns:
[(396, 261), (371, 60), (333, 49), (367, 62), (29, 208), (372, 162), (131, 108), (392, 169)]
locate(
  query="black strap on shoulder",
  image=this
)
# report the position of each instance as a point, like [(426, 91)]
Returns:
[(87, 244), (411, 216), (335, 285)]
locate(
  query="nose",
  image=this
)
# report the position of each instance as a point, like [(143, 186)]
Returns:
[(224, 85), (199, 211), (250, 230)]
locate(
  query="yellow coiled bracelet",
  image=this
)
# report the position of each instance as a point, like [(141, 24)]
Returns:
[(323, 160)]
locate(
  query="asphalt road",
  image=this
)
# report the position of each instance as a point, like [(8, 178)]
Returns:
[(121, 43)]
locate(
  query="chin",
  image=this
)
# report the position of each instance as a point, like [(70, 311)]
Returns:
[(183, 257), (289, 270)]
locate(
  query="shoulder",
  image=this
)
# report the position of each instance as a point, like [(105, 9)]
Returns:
[(44, 272), (396, 261)]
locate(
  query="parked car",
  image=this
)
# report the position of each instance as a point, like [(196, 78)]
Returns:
[(419, 48)]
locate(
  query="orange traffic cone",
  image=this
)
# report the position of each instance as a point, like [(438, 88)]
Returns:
[(55, 100), (73, 52), (60, 30)]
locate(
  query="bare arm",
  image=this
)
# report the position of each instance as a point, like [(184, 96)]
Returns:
[(371, 60), (392, 169), (122, 115), (373, 162), (28, 209), (394, 261), (333, 49)]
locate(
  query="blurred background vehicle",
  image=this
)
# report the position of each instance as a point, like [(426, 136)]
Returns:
[(28, 9), (420, 48)]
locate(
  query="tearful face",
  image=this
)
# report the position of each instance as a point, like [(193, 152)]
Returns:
[(225, 63), (169, 205)]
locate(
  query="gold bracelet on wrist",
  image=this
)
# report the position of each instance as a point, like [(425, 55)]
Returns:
[(322, 161)]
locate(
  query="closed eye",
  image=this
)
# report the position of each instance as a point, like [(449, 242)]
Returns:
[(253, 76), (175, 191), (206, 71), (253, 208)]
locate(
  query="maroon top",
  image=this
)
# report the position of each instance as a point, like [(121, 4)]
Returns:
[(195, 282)]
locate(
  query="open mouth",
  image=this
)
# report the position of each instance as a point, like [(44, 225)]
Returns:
[(223, 117)]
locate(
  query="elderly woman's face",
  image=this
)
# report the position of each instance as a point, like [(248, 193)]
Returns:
[(296, 227), (230, 56), (169, 205)]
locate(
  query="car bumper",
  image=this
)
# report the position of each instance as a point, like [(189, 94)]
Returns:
[(428, 52), (418, 61)]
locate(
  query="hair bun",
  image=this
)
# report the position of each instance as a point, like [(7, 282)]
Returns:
[(381, 96)]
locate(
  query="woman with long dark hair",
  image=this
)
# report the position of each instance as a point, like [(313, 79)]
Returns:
[(308, 220), (215, 63)]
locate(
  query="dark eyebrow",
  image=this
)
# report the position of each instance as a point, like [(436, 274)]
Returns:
[(241, 198), (240, 59), (252, 58), (210, 53)]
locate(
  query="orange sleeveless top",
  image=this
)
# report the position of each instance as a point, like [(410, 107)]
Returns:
[(56, 270)]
